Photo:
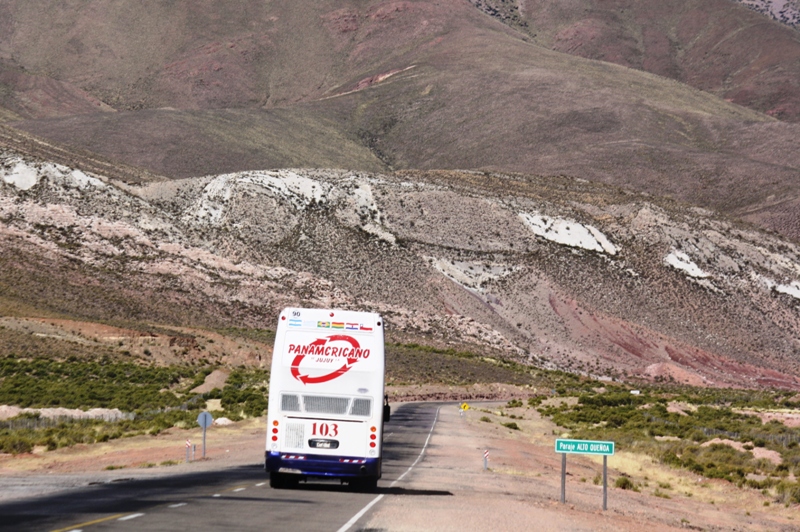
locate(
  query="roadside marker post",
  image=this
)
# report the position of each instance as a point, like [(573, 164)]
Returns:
[(604, 448), (486, 459), (204, 420), (188, 444)]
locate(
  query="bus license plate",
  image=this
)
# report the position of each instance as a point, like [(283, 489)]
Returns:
[(323, 444)]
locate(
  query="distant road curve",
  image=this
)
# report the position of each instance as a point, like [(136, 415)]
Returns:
[(233, 499)]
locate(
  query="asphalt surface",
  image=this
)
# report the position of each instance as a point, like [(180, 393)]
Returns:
[(230, 499)]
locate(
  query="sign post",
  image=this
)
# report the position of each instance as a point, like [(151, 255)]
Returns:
[(604, 448), (204, 420), (605, 482)]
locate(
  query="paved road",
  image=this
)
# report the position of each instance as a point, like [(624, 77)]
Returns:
[(234, 499)]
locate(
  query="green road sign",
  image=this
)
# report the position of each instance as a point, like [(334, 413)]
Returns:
[(585, 447)]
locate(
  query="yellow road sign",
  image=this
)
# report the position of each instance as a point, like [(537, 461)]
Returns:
[(464, 406)]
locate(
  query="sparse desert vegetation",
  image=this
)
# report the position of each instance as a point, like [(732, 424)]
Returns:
[(142, 399), (696, 429)]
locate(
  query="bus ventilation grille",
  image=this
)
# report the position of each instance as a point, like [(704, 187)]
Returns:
[(290, 403), (361, 407), (319, 404)]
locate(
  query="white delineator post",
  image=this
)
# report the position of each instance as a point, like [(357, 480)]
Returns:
[(188, 445), (486, 459)]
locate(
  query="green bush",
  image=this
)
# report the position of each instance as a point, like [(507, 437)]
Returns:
[(788, 492), (16, 445), (533, 402), (255, 405), (624, 483), (512, 426)]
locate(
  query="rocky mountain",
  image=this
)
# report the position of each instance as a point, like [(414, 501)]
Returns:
[(601, 91), (609, 188), (557, 272)]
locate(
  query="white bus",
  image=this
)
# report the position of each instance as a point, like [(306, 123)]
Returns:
[(326, 398)]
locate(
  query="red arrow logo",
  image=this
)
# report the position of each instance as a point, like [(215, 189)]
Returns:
[(305, 379)]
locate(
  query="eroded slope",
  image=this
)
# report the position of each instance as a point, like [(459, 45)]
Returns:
[(552, 271)]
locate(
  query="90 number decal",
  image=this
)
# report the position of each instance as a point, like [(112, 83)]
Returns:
[(325, 429)]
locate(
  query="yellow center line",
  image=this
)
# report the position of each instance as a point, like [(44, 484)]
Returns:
[(87, 523)]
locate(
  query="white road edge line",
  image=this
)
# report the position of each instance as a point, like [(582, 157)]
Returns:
[(374, 501), (132, 516), (177, 505), (260, 484), (239, 489)]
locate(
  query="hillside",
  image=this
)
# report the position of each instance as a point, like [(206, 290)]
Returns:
[(726, 48), (387, 86), (546, 194), (555, 272)]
